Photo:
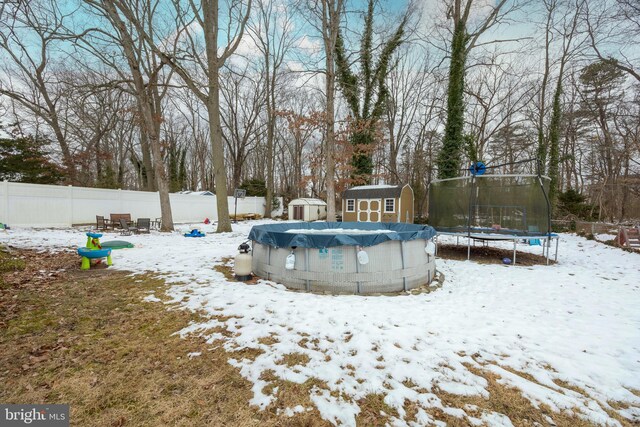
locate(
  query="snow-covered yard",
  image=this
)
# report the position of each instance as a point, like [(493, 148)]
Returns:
[(573, 328)]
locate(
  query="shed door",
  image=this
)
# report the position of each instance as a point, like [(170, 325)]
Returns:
[(298, 212), (369, 210)]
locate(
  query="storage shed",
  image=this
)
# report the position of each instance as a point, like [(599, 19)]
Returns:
[(378, 203), (307, 209)]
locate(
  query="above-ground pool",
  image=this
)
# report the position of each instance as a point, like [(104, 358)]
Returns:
[(344, 257)]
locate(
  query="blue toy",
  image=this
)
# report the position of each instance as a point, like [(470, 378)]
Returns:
[(477, 168), (506, 261), (194, 233)]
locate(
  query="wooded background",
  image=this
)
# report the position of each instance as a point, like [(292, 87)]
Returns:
[(308, 97)]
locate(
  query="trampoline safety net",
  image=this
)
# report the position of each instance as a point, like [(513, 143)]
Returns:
[(506, 204)]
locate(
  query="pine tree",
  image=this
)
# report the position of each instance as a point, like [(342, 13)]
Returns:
[(25, 160)]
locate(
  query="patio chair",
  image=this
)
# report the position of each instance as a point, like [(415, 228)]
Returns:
[(144, 225), (126, 229), (102, 223)]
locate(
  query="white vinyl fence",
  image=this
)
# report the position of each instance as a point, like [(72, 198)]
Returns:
[(35, 205)]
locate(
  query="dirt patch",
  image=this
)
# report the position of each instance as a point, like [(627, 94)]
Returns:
[(490, 255), (32, 268)]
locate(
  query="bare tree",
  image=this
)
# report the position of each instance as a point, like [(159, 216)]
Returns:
[(91, 115), (243, 100), (327, 16), (144, 71), (197, 35), (272, 33), (29, 32), (463, 40), (562, 21), (301, 122), (194, 113), (409, 86), (497, 96), (614, 32)]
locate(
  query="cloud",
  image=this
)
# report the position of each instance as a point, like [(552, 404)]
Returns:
[(309, 45)]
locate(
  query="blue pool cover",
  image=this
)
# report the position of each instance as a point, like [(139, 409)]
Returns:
[(328, 234)]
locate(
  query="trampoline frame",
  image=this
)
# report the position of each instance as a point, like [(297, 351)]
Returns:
[(486, 234), (546, 246)]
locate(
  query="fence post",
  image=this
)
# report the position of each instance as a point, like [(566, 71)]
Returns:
[(70, 205), (5, 212)]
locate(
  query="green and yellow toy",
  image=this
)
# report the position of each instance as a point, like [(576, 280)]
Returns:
[(93, 250)]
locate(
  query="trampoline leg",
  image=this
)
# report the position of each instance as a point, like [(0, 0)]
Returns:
[(557, 242), (548, 245), (514, 252), (468, 249)]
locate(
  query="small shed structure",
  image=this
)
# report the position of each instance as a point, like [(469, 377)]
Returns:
[(307, 209), (378, 203), (197, 193)]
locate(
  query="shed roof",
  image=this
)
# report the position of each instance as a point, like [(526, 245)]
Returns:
[(373, 192), (308, 201), (197, 193)]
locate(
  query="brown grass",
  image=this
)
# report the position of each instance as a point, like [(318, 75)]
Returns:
[(505, 400), (293, 359), (372, 408), (290, 395), (88, 339), (570, 386), (270, 340)]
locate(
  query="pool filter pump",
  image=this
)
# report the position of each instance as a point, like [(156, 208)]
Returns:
[(242, 263)]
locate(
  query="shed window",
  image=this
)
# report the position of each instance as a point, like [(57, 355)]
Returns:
[(351, 205), (389, 205)]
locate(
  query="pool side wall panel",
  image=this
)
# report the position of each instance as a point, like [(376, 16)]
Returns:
[(336, 269)]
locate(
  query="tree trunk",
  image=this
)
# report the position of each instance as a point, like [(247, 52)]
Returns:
[(217, 150), (331, 10), (271, 121), (542, 143), (210, 18), (148, 180), (554, 141), (330, 140)]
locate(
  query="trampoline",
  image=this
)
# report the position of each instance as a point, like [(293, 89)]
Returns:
[(487, 207), (344, 257)]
